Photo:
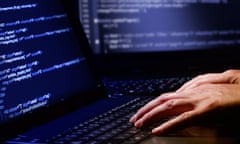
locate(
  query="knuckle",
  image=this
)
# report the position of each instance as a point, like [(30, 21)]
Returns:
[(148, 116), (170, 104), (234, 75), (232, 71), (185, 115)]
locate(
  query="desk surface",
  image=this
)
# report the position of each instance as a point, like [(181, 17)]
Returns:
[(198, 135)]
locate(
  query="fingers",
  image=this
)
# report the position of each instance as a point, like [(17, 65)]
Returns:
[(148, 107), (151, 105), (169, 108)]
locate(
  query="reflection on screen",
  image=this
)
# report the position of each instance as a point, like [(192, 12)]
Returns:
[(122, 26)]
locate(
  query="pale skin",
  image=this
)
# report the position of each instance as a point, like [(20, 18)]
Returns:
[(198, 96)]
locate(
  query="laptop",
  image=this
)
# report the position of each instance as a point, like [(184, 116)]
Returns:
[(138, 41), (50, 92)]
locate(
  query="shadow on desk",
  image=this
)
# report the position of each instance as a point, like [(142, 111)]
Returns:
[(197, 135)]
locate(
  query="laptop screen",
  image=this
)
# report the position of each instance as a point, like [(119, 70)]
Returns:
[(41, 62), (154, 29)]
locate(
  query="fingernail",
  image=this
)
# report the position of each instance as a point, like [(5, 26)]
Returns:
[(138, 124), (132, 119)]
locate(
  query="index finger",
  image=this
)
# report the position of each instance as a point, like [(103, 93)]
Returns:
[(149, 106)]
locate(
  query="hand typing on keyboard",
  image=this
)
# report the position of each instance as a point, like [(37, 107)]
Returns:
[(201, 95)]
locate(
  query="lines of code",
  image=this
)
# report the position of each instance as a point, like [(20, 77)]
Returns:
[(20, 34), (160, 25), (17, 7), (33, 55), (138, 6), (26, 71)]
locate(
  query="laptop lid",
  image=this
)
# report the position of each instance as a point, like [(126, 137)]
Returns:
[(164, 36), (44, 73)]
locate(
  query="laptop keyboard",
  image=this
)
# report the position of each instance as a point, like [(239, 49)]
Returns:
[(111, 127), (153, 87)]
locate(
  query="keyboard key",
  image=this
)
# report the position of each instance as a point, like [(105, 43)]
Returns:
[(110, 127)]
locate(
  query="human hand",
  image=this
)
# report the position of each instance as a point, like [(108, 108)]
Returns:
[(199, 96)]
